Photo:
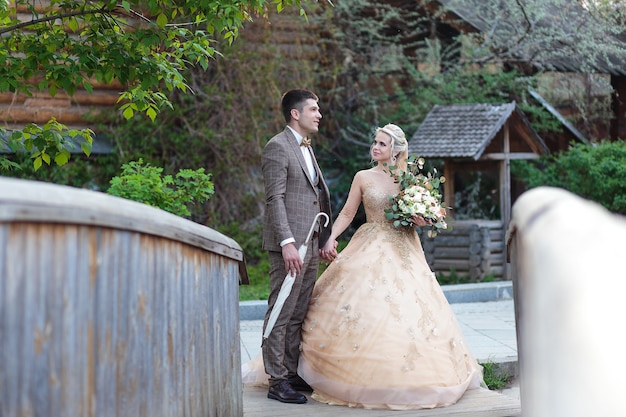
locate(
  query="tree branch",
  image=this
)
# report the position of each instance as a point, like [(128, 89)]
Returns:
[(529, 25), (54, 17)]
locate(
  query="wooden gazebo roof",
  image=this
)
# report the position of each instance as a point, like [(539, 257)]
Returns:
[(471, 136), (464, 131)]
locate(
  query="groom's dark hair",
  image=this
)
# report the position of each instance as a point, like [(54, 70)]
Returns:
[(294, 99)]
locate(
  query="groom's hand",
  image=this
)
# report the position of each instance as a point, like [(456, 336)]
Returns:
[(293, 263)]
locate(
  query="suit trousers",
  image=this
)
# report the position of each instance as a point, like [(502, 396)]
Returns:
[(281, 350)]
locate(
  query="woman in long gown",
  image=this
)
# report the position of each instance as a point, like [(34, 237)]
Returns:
[(379, 332)]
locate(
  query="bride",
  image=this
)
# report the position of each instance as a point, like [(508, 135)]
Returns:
[(379, 332)]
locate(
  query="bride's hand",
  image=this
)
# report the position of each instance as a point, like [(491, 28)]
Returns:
[(420, 221), (329, 251)]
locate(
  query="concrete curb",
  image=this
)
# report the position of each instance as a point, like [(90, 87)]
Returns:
[(507, 367), (459, 293)]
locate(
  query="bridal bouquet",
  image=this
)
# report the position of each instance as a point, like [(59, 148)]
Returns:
[(419, 194)]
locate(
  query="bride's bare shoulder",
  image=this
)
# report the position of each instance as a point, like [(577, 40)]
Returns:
[(365, 175), (374, 177), (372, 172)]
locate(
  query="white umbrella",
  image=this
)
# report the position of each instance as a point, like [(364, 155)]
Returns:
[(285, 289)]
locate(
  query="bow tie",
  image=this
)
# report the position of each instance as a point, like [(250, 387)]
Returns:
[(305, 142)]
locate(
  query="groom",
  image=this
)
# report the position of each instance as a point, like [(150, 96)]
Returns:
[(295, 192)]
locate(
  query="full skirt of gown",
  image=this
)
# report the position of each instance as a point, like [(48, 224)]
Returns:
[(380, 333)]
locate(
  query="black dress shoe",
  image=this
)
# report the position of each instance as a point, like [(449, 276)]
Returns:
[(299, 384), (284, 393)]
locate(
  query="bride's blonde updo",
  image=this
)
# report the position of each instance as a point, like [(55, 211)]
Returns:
[(399, 144)]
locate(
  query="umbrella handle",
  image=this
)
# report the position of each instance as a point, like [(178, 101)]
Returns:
[(308, 238)]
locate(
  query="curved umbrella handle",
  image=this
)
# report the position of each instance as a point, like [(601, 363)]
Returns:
[(310, 235)]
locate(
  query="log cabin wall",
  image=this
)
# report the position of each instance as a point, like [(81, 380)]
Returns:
[(17, 110), (473, 249), (283, 35)]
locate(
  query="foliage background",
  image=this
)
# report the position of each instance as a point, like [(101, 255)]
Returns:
[(371, 63), (596, 173)]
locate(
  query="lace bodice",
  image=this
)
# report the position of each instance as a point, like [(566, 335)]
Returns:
[(375, 201)]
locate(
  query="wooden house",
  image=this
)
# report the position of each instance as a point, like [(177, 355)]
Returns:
[(289, 38), (530, 59), (475, 137), (77, 111), (284, 36)]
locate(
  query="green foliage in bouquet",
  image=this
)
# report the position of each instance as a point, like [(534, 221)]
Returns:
[(144, 183), (419, 195)]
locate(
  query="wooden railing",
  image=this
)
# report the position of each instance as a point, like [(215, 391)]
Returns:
[(113, 308), (568, 263)]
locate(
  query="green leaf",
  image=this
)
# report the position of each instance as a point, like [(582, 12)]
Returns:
[(152, 114), (128, 113), (72, 23), (86, 147), (62, 158), (88, 86), (37, 163), (161, 20)]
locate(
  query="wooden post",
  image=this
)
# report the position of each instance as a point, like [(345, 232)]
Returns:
[(505, 185), (448, 186), (618, 105)]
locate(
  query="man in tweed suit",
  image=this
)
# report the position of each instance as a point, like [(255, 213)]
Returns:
[(295, 192)]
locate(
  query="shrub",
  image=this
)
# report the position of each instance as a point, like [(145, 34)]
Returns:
[(595, 172), (144, 183)]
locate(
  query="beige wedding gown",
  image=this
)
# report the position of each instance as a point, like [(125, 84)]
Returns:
[(379, 332)]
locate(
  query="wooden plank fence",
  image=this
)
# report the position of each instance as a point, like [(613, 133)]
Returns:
[(472, 248), (113, 308)]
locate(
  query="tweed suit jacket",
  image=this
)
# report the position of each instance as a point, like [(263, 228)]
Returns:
[(292, 199)]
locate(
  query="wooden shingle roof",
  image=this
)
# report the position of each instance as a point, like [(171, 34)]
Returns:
[(465, 130)]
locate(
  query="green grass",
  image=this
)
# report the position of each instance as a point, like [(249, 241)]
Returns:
[(258, 274), (259, 287), (494, 376)]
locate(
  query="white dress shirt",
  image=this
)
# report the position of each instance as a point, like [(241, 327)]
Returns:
[(306, 152)]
